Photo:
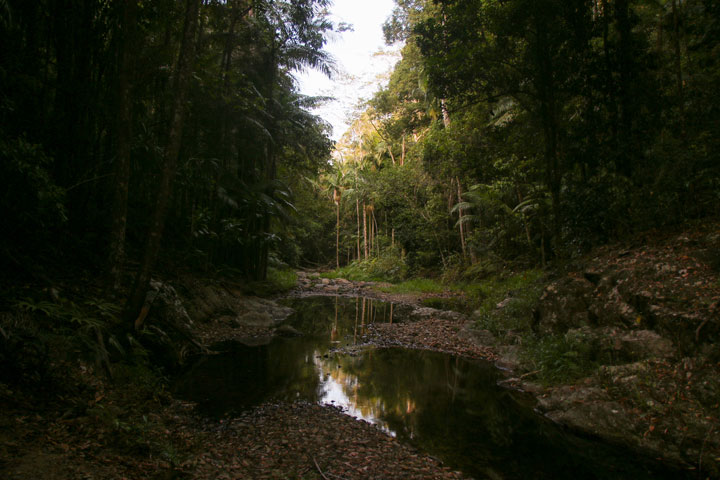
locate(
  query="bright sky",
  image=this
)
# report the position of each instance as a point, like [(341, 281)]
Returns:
[(363, 61)]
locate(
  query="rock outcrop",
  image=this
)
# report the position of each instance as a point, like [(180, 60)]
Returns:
[(650, 313), (671, 289), (205, 312)]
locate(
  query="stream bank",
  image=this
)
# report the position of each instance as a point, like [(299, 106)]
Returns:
[(621, 343), (649, 312), (72, 421)]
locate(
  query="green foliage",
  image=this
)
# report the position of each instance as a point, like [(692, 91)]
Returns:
[(415, 285), (520, 294), (90, 313), (282, 280), (457, 304), (279, 280), (388, 266), (31, 203), (248, 135), (560, 359)]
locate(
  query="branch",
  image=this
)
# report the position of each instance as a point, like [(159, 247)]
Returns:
[(318, 466)]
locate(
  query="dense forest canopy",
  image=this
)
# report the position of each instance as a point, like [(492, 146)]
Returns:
[(510, 132), (126, 125), (525, 131)]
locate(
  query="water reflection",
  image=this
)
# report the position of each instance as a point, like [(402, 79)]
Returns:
[(341, 390), (445, 405), (286, 369)]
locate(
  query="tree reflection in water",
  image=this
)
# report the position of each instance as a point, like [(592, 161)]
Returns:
[(447, 406)]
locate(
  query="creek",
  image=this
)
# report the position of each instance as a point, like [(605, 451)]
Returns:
[(448, 407)]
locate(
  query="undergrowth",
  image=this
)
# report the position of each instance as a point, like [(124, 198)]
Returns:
[(388, 267), (415, 285), (279, 280), (559, 359), (504, 306), (517, 296)]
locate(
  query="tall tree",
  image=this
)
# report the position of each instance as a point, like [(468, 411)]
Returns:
[(183, 73), (123, 139)]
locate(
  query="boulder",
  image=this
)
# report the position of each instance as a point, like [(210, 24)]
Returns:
[(478, 336), (639, 344), (254, 319), (261, 312)]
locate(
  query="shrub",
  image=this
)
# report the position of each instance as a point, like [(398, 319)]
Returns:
[(560, 358), (520, 293), (389, 266), (415, 285)]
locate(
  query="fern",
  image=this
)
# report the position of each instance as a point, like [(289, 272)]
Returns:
[(93, 313)]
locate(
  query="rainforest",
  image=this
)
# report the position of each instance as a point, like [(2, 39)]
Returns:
[(506, 266)]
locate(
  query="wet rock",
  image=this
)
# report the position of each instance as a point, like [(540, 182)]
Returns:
[(508, 357), (261, 312), (591, 410), (254, 319)]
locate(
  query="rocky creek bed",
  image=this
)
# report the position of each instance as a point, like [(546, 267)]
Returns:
[(655, 306), (98, 430)]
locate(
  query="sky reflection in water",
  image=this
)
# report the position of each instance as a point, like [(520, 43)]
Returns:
[(449, 407)]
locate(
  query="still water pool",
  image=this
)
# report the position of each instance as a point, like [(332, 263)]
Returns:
[(448, 407)]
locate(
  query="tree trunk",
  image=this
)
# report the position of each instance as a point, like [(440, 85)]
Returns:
[(183, 72), (365, 236), (625, 73), (375, 234), (548, 118), (372, 233), (357, 211), (678, 66), (460, 219), (123, 134), (337, 236), (445, 113)]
